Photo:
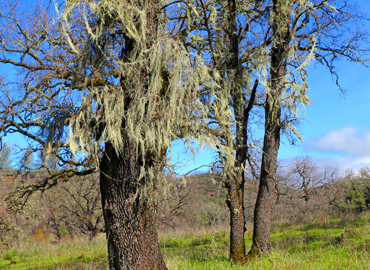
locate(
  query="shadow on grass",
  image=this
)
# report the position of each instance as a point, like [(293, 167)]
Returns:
[(206, 254)]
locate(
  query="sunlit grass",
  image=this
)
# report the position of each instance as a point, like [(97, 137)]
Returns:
[(68, 254), (304, 246), (333, 244)]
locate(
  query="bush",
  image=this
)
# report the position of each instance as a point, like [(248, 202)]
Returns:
[(355, 202), (213, 214)]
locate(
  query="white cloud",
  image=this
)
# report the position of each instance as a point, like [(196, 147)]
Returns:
[(354, 163), (345, 163), (343, 141)]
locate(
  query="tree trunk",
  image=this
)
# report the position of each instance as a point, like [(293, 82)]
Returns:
[(279, 54), (235, 170), (130, 223), (236, 181), (262, 212), (235, 174), (235, 188)]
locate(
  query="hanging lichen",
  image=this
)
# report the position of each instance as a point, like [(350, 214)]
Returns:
[(153, 100)]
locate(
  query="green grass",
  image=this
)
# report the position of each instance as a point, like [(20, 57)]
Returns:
[(304, 246), (70, 254)]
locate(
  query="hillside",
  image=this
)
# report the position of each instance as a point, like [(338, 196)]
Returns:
[(72, 209)]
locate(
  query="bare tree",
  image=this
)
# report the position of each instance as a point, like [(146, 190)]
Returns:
[(82, 201), (304, 190), (305, 176)]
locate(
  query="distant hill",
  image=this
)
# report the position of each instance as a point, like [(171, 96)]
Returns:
[(199, 200)]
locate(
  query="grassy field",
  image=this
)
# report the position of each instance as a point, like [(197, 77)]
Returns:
[(334, 244)]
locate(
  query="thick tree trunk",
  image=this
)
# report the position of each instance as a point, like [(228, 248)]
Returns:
[(130, 223), (132, 237), (279, 54)]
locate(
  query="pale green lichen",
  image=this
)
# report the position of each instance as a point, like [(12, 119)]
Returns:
[(152, 119)]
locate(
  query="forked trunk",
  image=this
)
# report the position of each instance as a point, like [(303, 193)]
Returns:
[(130, 223), (235, 185), (236, 178)]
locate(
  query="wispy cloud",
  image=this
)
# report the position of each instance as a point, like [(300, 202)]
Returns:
[(347, 140)]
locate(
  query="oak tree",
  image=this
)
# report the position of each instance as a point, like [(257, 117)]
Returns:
[(105, 89), (228, 34), (300, 31)]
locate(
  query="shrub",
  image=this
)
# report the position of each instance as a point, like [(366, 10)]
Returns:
[(355, 202)]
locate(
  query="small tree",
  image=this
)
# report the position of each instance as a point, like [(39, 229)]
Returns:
[(305, 176), (75, 206), (304, 190), (5, 156), (355, 201), (358, 190)]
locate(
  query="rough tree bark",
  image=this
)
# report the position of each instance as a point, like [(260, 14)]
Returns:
[(130, 224), (279, 53), (235, 188)]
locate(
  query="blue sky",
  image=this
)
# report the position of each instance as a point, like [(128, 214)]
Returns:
[(336, 128)]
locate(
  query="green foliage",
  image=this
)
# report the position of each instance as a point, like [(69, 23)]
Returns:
[(355, 201), (357, 191), (9, 255)]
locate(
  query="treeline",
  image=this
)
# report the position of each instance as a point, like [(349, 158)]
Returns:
[(304, 193)]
